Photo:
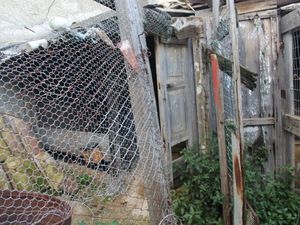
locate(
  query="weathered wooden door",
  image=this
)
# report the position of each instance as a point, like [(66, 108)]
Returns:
[(176, 96)]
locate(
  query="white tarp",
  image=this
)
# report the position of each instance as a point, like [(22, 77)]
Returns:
[(27, 20)]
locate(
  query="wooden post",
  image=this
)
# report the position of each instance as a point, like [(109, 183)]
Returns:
[(219, 103), (238, 139), (238, 182), (288, 104), (132, 32), (216, 13), (201, 90)]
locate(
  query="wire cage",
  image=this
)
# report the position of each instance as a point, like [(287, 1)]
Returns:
[(78, 122)]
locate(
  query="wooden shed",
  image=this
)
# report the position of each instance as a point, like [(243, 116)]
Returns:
[(267, 40)]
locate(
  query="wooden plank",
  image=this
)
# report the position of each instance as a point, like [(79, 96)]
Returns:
[(280, 148), (292, 124), (219, 104), (248, 78), (290, 21), (201, 91), (238, 182), (237, 138), (216, 13), (252, 122), (288, 95), (261, 14), (177, 12), (255, 6), (132, 30), (286, 2), (162, 101), (290, 8)]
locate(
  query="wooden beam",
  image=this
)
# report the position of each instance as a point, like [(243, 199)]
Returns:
[(279, 71), (290, 8), (216, 13), (201, 99), (261, 14), (290, 21), (248, 77), (286, 2), (253, 122), (238, 182), (132, 33), (287, 96), (255, 6), (219, 104), (292, 124), (237, 137)]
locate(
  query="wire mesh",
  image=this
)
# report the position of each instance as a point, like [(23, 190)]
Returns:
[(157, 22), (78, 122), (296, 71), (222, 46), (251, 216)]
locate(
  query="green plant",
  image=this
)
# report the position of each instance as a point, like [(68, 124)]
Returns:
[(271, 195), (199, 200), (84, 179)]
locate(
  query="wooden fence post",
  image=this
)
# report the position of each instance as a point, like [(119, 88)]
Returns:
[(219, 103), (237, 137), (132, 33)]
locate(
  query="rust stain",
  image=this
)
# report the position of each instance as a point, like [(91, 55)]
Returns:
[(216, 81), (238, 176)]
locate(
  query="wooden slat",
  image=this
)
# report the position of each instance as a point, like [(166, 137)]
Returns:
[(280, 148), (255, 6), (288, 96), (131, 29), (261, 14), (290, 8), (219, 104), (292, 124), (238, 182), (216, 13), (201, 100), (290, 21), (248, 78), (237, 137), (286, 2), (252, 122)]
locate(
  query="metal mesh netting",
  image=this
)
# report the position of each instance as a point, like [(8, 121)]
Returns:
[(157, 22), (78, 122)]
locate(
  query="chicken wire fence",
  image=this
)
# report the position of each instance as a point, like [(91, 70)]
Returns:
[(78, 122)]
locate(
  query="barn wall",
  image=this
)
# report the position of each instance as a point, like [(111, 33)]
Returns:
[(258, 40)]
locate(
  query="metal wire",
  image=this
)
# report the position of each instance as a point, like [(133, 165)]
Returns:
[(79, 123)]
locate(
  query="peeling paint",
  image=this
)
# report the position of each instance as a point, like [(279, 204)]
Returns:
[(197, 66), (199, 90)]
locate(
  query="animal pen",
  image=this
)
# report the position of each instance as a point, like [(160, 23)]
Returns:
[(87, 130), (78, 118)]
